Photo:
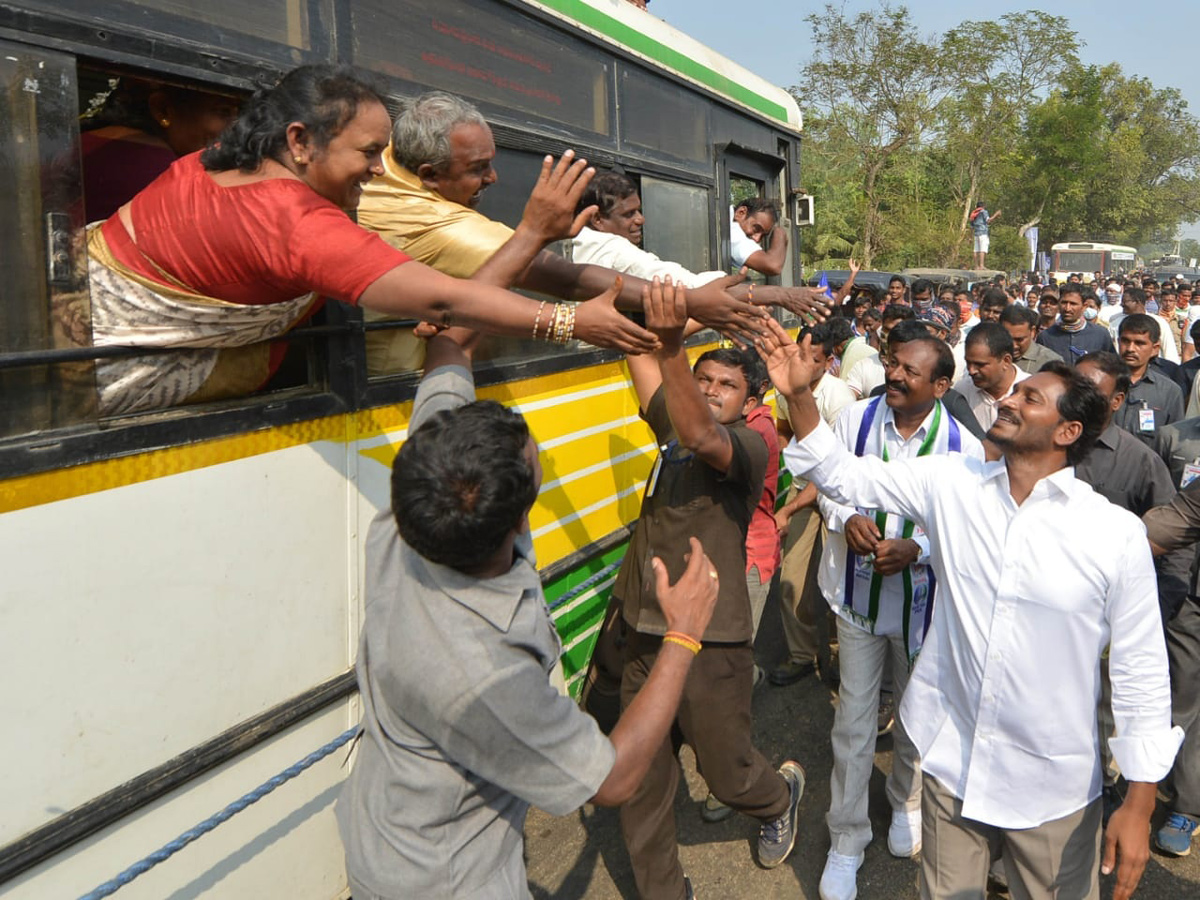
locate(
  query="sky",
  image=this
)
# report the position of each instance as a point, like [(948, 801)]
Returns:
[(770, 37)]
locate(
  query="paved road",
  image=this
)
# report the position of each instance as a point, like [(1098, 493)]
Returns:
[(582, 856)]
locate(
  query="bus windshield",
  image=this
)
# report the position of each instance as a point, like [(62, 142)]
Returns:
[(1079, 261)]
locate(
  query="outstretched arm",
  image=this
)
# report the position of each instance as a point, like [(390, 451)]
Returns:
[(695, 425), (770, 261), (844, 291)]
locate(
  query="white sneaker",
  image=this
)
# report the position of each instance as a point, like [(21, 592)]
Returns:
[(904, 835), (839, 880)]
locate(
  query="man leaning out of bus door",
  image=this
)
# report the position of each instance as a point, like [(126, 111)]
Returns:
[(436, 170), (448, 766)]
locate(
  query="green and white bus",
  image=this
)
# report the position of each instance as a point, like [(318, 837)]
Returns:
[(182, 590)]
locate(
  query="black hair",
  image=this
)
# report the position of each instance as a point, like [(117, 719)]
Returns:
[(1136, 294), (953, 307), (605, 191), (944, 367), (1140, 323), (1071, 287), (1015, 314), (897, 312), (907, 330), (994, 296), (820, 337), (1194, 332), (920, 286), (322, 97), (895, 278), (1081, 402), (994, 336), (840, 329), (755, 205), (461, 483), (753, 368), (1112, 365)]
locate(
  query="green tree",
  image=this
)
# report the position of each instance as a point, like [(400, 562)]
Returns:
[(1003, 68), (1108, 156), (871, 88)]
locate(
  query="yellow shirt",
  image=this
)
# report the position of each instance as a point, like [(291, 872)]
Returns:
[(440, 233)]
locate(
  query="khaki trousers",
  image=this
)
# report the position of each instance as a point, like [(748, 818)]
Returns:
[(1058, 860), (801, 605), (714, 718)]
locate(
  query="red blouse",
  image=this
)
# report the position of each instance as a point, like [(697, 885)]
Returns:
[(264, 242)]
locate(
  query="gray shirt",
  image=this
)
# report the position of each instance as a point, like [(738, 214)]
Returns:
[(1035, 357), (1154, 391), (462, 730)]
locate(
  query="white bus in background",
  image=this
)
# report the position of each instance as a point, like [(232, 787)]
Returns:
[(1089, 257)]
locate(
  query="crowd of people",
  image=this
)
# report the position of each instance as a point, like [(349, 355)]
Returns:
[(951, 447)]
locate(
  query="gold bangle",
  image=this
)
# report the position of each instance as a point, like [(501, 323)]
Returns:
[(671, 639), (570, 324), (750, 293), (538, 320)]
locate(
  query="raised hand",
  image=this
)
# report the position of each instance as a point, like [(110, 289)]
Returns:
[(550, 211), (790, 365), (809, 303), (598, 322), (665, 306), (714, 307)]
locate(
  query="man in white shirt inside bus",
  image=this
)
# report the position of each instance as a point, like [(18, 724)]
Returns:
[(1001, 705)]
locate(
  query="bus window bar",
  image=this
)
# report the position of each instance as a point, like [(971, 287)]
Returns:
[(71, 827), (54, 837), (28, 358), (142, 866)]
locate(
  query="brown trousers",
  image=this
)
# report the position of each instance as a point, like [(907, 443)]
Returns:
[(714, 718), (1057, 860)]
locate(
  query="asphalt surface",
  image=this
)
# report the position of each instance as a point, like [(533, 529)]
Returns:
[(582, 855)]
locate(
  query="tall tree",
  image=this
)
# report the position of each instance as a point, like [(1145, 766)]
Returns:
[(1109, 156), (871, 86), (1003, 68)]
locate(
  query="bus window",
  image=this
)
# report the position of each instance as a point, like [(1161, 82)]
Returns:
[(663, 118), (488, 54), (43, 288), (214, 23), (678, 222), (134, 128)]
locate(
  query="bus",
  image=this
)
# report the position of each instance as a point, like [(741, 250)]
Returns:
[(1089, 257), (183, 589)]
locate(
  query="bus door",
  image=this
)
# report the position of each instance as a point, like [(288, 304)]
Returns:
[(744, 173)]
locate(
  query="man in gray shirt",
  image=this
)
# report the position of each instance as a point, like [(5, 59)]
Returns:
[(463, 728)]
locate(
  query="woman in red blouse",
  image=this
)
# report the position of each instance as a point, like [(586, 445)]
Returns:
[(231, 247)]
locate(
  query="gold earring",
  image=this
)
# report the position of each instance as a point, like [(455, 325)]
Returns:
[(165, 122), (298, 160)]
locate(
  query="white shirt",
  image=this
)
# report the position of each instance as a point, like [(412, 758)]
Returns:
[(865, 375), (832, 574), (1002, 702), (983, 404), (741, 248), (1167, 348), (1193, 315), (615, 252)]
